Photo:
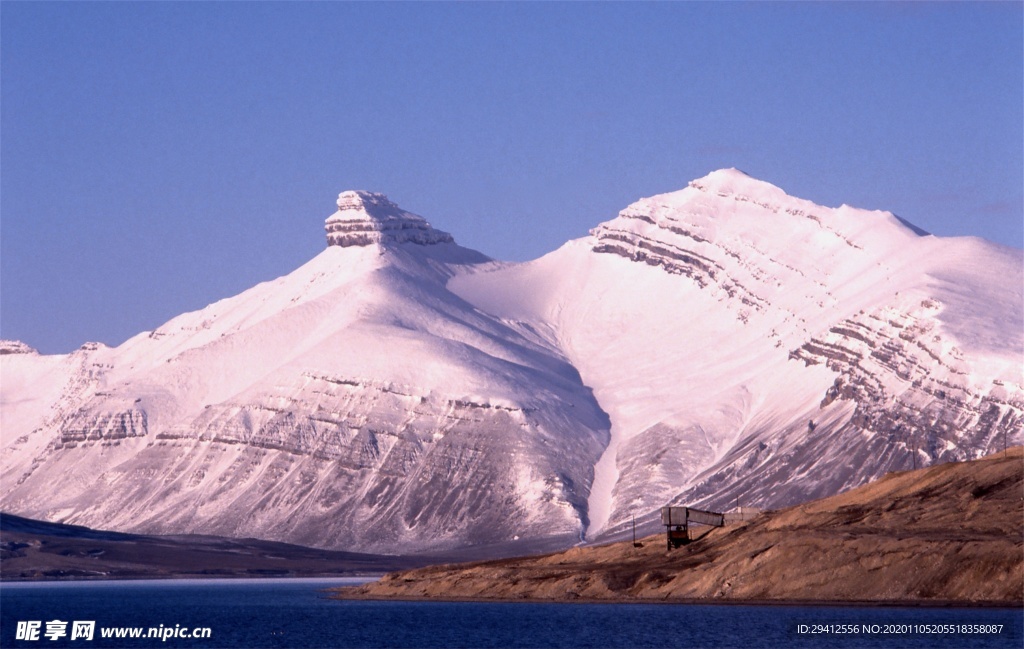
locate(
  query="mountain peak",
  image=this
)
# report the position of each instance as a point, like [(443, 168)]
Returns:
[(365, 218), (728, 173), (727, 182), (15, 347)]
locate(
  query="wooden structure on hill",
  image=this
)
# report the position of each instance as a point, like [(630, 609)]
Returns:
[(677, 521)]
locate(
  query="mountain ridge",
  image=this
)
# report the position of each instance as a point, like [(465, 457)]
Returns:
[(399, 391)]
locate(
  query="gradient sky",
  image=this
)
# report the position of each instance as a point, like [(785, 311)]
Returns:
[(156, 157)]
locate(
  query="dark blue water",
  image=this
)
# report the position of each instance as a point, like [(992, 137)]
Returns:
[(295, 614)]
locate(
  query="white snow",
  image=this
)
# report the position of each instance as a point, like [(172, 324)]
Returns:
[(606, 377), (659, 348)]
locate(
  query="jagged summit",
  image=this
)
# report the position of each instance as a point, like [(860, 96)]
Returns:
[(15, 347), (364, 218)]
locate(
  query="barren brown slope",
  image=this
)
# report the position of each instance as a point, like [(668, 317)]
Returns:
[(953, 532)]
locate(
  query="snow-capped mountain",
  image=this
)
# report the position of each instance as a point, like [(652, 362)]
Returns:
[(399, 392), (751, 346), (352, 403)]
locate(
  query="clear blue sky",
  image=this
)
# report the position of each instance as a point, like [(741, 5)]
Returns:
[(155, 157)]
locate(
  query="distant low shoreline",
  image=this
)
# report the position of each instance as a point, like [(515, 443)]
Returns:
[(36, 551), (334, 580), (337, 593), (186, 577)]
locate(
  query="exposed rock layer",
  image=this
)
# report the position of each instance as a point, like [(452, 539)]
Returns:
[(365, 218), (399, 393)]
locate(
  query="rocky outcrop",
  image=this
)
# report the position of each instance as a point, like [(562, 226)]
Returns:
[(912, 385), (89, 426), (15, 347), (365, 218)]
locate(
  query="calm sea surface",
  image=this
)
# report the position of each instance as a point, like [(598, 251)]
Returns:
[(294, 613)]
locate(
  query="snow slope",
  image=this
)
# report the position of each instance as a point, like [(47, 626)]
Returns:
[(398, 392), (713, 322), (352, 403)]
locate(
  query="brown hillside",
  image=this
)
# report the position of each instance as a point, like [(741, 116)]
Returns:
[(953, 532)]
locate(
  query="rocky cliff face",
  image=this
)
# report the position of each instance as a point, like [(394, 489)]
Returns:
[(398, 392), (366, 218)]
